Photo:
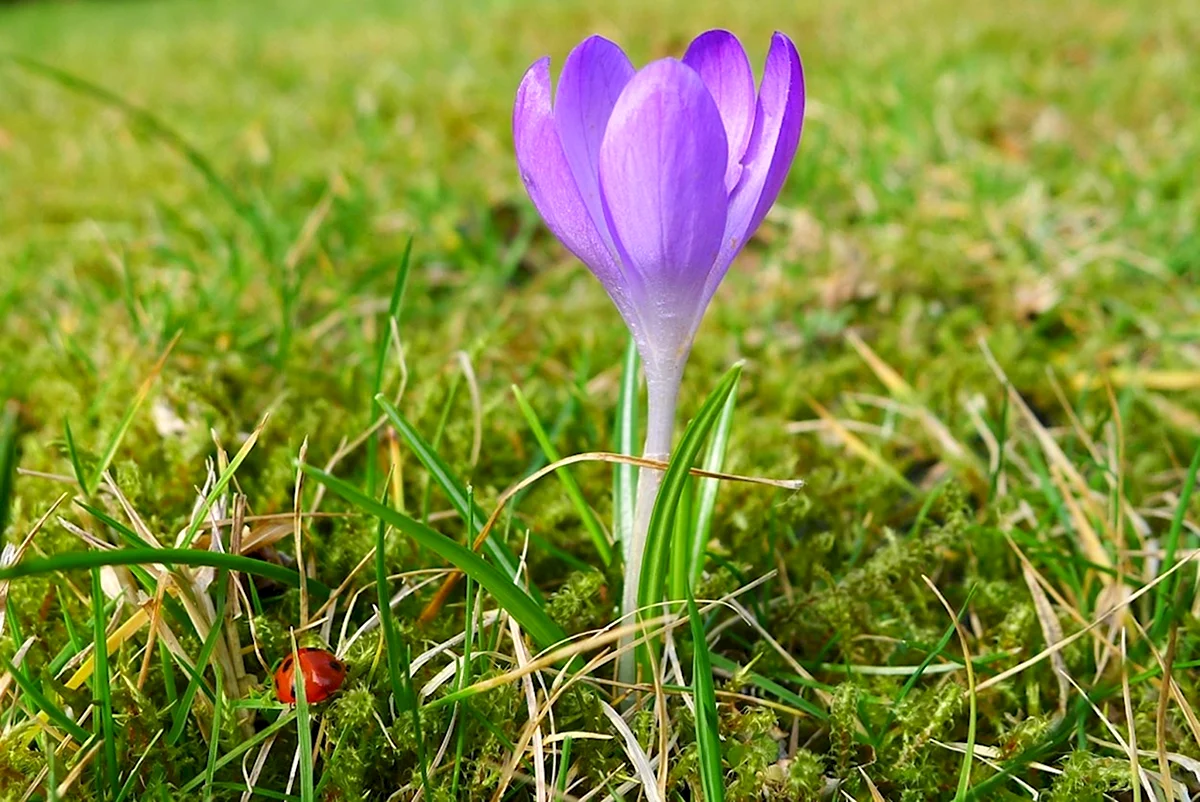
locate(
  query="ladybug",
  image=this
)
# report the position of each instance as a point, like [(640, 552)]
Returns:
[(323, 674)]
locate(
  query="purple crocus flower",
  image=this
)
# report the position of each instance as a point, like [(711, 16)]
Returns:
[(656, 178)]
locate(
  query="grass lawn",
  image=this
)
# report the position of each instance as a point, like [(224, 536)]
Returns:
[(971, 325)]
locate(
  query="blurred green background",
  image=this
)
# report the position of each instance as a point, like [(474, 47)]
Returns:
[(1020, 172)]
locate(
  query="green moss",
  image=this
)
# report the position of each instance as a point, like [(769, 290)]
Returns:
[(582, 603), (1017, 176), (927, 715), (804, 777), (751, 749), (18, 762), (1086, 777), (843, 721)]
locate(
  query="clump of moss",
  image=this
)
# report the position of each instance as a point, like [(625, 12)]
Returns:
[(1024, 734), (18, 762), (920, 232), (843, 722), (582, 603), (353, 714), (751, 747), (802, 777), (1087, 777)]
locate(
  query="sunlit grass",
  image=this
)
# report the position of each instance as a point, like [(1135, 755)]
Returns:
[(969, 327)]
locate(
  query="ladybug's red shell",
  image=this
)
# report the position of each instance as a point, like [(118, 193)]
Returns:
[(323, 674)]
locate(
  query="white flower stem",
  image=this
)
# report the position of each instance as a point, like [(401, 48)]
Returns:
[(662, 393)]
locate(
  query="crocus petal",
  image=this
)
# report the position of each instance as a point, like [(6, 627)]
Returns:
[(592, 78), (779, 120), (773, 142), (548, 180), (662, 180), (720, 60)]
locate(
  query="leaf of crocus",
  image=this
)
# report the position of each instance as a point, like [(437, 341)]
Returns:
[(662, 519), (625, 432), (706, 495), (708, 738), (662, 177), (510, 596), (720, 61)]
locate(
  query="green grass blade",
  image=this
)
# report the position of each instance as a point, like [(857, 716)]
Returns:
[(222, 482), (410, 703), (1165, 592), (135, 773), (73, 455), (257, 791), (52, 711), (79, 560), (391, 638), (968, 759), (464, 677), (121, 529), (964, 774), (169, 688), (14, 621), (564, 766), (184, 709), (442, 474), (341, 742), (510, 596), (399, 666), (930, 498), (194, 674), (114, 442), (680, 578), (566, 415), (51, 767), (439, 430), (548, 549), (570, 485), (454, 489), (8, 461), (662, 518), (303, 729), (1056, 737), (938, 649), (103, 714), (708, 739), (241, 749), (707, 487), (385, 338), (770, 686), (214, 742), (625, 434), (75, 642), (1002, 435), (143, 576)]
